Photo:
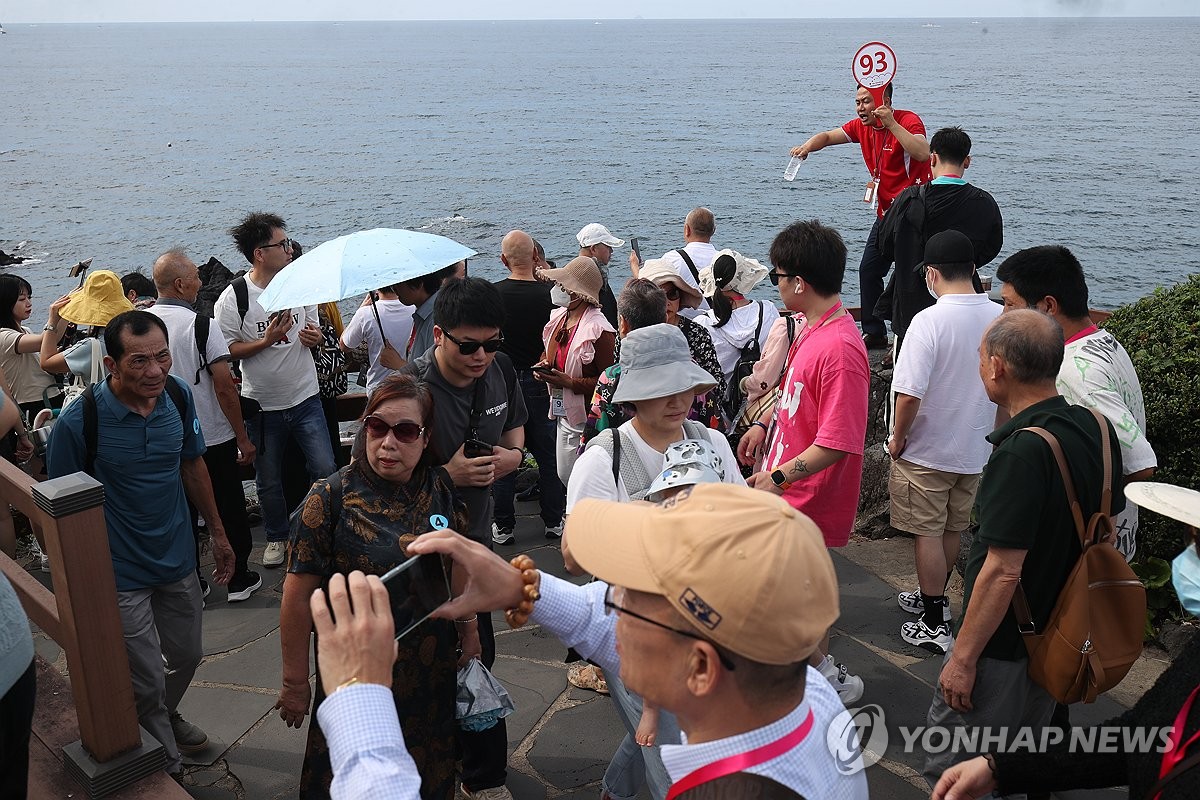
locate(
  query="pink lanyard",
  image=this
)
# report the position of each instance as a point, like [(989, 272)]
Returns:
[(1176, 751), (824, 318), (1088, 331), (742, 761)]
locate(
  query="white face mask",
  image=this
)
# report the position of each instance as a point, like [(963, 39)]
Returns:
[(929, 287), (559, 296)]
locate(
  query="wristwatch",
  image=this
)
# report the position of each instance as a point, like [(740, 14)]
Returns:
[(50, 328), (780, 480)]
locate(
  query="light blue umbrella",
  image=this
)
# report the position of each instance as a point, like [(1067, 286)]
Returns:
[(358, 263)]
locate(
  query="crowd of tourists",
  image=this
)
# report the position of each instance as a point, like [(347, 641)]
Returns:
[(698, 452)]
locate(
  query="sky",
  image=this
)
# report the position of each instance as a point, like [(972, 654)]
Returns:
[(18, 11)]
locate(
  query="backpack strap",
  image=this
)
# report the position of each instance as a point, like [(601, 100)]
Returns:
[(757, 333), (242, 294), (175, 392), (90, 429), (624, 459), (1020, 603), (691, 264), (201, 331)]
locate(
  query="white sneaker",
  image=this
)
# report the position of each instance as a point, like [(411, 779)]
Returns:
[(503, 536), (849, 687), (917, 632), (275, 554), (554, 531), (494, 793), (913, 604)]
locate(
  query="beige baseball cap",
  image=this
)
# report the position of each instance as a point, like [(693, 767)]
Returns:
[(743, 567)]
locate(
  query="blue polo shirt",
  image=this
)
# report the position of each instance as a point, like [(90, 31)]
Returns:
[(138, 461)]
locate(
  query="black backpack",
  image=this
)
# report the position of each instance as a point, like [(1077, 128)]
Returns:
[(749, 355)]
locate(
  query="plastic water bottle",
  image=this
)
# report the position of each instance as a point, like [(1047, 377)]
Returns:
[(793, 167)]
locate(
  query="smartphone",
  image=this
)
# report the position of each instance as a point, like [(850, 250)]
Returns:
[(80, 268), (473, 448), (637, 250), (545, 369), (416, 588), (274, 315)]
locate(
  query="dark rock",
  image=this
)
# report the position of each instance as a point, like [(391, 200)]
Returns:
[(1174, 636), (6, 260), (214, 277)]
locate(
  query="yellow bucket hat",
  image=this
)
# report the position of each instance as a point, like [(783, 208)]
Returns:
[(99, 300)]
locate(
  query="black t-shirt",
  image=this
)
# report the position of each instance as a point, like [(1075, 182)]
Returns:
[(1022, 505), (503, 408), (527, 309)]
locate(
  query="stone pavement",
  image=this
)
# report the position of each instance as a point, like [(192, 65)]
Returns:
[(560, 737)]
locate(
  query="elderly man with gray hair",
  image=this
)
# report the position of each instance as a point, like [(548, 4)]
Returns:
[(1026, 532)]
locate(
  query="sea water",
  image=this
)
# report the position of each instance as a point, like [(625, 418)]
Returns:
[(120, 141)]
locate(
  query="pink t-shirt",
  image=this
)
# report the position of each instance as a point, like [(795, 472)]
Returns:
[(823, 400)]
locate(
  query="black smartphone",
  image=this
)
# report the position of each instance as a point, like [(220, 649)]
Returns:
[(473, 448), (80, 268), (634, 246), (274, 315), (545, 369), (416, 588)]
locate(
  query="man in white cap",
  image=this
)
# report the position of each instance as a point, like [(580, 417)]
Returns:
[(596, 241)]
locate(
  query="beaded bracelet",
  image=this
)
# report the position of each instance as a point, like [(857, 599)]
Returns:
[(517, 617)]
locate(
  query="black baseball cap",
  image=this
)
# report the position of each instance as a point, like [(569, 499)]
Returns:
[(947, 247)]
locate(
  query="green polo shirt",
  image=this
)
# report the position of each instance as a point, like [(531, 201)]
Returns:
[(1022, 504)]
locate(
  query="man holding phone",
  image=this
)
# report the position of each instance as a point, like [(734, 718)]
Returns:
[(478, 433)]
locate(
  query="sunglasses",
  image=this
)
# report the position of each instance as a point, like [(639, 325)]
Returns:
[(469, 348), (777, 276), (406, 432), (672, 292)]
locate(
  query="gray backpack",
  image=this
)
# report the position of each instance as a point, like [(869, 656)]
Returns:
[(626, 465)]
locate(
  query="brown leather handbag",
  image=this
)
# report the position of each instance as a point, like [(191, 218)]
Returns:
[(1095, 632)]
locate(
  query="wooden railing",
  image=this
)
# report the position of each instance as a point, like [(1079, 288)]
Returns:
[(81, 616)]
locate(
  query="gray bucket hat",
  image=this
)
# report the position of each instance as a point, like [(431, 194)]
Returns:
[(686, 463), (656, 362)]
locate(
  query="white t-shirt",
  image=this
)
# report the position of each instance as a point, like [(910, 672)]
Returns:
[(284, 374), (185, 361), (730, 338), (939, 364), (702, 254), (1097, 373), (592, 474), (397, 321), (26, 378)]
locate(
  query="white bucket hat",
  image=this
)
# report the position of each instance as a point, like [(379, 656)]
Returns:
[(686, 463), (656, 362), (748, 273), (660, 271)]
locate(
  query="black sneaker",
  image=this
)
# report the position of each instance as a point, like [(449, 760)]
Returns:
[(243, 585), (532, 493), (503, 535), (936, 639), (204, 588)]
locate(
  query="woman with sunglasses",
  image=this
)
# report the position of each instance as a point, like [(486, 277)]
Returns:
[(580, 344), (1153, 772), (706, 408), (362, 518)]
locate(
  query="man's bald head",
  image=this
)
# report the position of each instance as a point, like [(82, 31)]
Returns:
[(171, 266), (517, 246), (1029, 343), (702, 224)]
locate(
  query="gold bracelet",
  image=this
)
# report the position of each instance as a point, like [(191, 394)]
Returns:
[(343, 685), (517, 617)]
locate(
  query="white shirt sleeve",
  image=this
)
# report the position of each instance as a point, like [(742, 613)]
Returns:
[(226, 313), (592, 477), (354, 334), (915, 362)]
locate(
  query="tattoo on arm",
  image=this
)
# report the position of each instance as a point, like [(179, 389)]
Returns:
[(799, 468)]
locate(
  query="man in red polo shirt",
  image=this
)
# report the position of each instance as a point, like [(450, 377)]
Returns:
[(896, 153)]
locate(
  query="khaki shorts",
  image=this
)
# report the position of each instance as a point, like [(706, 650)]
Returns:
[(929, 502)]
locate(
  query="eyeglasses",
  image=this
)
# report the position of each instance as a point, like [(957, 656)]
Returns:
[(469, 348), (406, 432), (609, 605), (286, 244), (778, 276), (672, 292), (162, 358)]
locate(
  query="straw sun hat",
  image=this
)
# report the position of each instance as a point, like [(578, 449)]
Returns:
[(98, 301), (580, 276)]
